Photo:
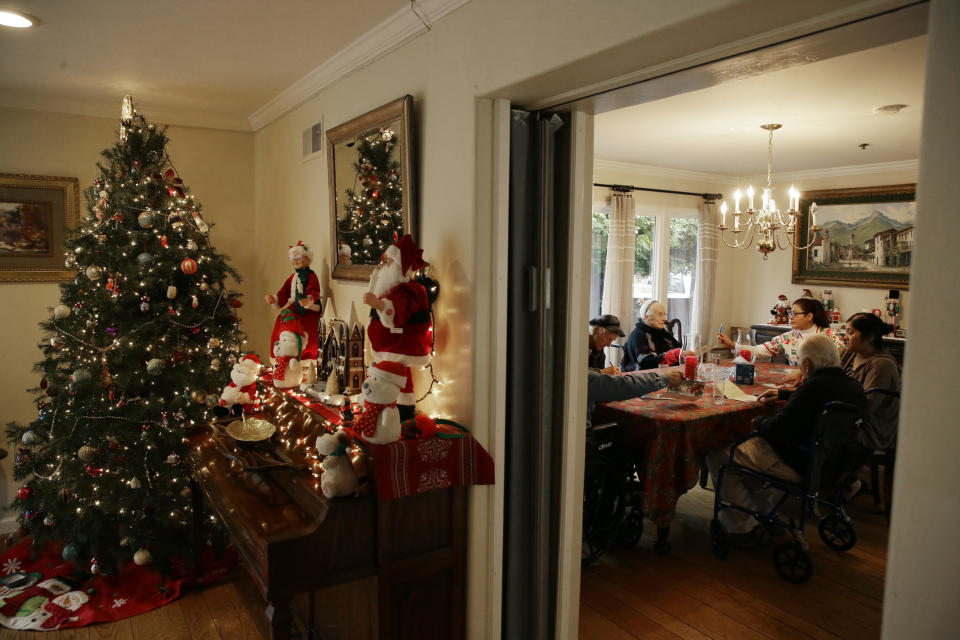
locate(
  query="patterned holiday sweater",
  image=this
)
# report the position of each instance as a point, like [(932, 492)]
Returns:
[(788, 343)]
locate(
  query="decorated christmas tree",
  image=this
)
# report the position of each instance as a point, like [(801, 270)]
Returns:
[(374, 210), (135, 353)]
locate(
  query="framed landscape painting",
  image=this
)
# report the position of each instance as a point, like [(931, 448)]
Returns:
[(863, 237), (35, 214)]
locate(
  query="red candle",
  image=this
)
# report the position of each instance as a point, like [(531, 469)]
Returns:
[(690, 367)]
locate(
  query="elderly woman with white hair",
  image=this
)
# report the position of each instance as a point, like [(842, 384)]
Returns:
[(650, 344), (775, 453)]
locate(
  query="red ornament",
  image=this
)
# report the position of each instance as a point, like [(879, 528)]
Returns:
[(94, 471), (163, 241), (236, 303), (188, 266), (25, 493)]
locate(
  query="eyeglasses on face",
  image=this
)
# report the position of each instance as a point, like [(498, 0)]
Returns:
[(801, 313)]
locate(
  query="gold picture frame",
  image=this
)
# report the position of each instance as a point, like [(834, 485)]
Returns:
[(36, 213), (345, 181)]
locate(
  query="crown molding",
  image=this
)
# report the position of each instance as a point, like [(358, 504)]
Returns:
[(392, 33), (785, 176), (661, 172)]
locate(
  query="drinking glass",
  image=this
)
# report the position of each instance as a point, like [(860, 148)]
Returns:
[(720, 375)]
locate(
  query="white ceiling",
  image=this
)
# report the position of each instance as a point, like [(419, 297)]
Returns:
[(825, 108), (211, 63)]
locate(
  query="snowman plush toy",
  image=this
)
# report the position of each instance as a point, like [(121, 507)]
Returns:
[(380, 421), (239, 395)]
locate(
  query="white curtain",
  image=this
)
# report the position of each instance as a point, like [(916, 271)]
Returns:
[(621, 248), (707, 246)]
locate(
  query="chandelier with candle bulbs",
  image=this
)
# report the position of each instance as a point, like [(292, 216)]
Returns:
[(768, 225)]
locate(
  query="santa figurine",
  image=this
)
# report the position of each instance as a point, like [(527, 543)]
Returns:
[(781, 311), (240, 394), (400, 328), (301, 294)]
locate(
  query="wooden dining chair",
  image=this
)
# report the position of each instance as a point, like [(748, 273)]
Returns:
[(883, 490), (670, 325)]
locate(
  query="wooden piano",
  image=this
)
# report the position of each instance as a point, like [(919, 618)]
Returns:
[(350, 567)]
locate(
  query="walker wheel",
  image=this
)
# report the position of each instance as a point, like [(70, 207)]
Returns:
[(837, 533), (718, 539), (792, 562), (631, 529)]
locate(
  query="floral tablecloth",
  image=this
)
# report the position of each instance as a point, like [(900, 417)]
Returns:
[(672, 436)]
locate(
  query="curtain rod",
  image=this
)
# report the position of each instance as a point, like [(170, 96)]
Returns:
[(627, 187)]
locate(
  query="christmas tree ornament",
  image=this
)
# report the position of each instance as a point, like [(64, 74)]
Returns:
[(213, 343), (86, 453), (30, 437), (186, 492), (154, 366), (125, 542), (55, 342), (94, 566), (69, 261), (133, 483), (215, 364), (144, 303), (163, 242), (175, 220), (110, 331), (94, 272), (194, 302), (171, 292), (65, 495), (191, 245), (367, 241), (71, 552), (204, 286), (198, 396), (202, 226), (25, 493), (188, 266), (31, 514), (145, 259), (92, 471), (61, 311), (79, 375), (173, 459), (101, 239), (142, 557), (49, 521)]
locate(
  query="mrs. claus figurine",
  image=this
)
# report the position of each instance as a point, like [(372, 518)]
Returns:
[(301, 294)]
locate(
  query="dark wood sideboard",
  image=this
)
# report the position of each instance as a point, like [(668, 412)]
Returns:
[(352, 567), (766, 332)]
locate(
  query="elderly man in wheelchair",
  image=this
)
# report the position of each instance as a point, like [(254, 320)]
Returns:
[(612, 497), (806, 450)]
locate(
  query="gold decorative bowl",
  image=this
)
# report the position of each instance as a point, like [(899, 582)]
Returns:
[(251, 430)]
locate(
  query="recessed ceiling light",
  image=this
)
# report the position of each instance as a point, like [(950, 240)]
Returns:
[(16, 19), (888, 109)]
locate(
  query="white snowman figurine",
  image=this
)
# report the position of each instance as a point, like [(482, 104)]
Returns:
[(380, 421), (287, 372)]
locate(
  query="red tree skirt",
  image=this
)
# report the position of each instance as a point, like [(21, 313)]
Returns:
[(38, 590)]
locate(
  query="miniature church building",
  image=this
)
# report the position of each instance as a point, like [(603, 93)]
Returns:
[(342, 350)]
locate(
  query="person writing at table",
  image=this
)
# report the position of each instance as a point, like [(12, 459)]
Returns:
[(603, 331), (776, 451), (650, 344), (807, 318)]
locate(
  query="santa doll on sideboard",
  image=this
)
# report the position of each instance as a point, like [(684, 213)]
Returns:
[(400, 328)]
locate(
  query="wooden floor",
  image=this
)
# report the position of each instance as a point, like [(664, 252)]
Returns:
[(220, 611), (692, 594)]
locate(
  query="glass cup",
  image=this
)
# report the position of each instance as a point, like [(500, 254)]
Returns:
[(720, 375)]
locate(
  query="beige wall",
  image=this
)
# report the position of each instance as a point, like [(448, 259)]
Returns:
[(922, 587), (216, 165)]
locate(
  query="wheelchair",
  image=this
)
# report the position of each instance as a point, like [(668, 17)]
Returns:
[(612, 495), (835, 455)]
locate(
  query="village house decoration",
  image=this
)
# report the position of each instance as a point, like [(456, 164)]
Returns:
[(864, 239), (343, 346)]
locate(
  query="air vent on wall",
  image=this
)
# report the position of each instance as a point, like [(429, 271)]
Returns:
[(313, 140)]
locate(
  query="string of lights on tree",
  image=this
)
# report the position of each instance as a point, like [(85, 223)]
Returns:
[(374, 209), (142, 340)]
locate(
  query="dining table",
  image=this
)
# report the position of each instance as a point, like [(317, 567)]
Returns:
[(670, 434)]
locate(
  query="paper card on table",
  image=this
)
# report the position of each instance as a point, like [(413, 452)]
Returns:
[(734, 392)]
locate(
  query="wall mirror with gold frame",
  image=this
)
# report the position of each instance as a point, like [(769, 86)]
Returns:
[(371, 176)]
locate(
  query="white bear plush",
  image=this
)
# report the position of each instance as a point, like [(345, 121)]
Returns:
[(339, 477), (380, 421), (243, 388), (287, 372)]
